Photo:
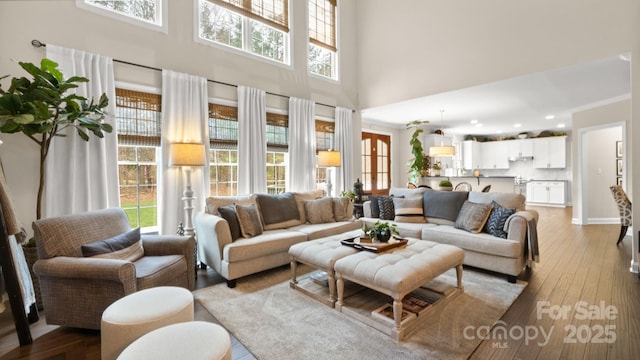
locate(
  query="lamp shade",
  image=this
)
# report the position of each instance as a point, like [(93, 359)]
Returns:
[(329, 158), (443, 150), (186, 154)]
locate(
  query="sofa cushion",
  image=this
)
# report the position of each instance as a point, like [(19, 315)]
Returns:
[(316, 231), (443, 204), (473, 216), (126, 246), (408, 210), (497, 219), (229, 213), (508, 200), (249, 219), (319, 211), (258, 247), (342, 209), (278, 211), (301, 197), (214, 202), (385, 207), (481, 242)]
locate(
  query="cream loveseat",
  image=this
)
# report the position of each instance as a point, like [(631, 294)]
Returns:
[(242, 235), (461, 219)]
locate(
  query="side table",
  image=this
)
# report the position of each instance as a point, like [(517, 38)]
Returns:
[(358, 210)]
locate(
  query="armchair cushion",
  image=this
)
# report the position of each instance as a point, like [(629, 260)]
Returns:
[(126, 246)]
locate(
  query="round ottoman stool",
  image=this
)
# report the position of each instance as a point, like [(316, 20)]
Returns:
[(136, 314), (190, 340)]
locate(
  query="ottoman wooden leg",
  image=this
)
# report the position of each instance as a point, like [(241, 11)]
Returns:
[(294, 269), (340, 288), (459, 275), (397, 317), (332, 287)]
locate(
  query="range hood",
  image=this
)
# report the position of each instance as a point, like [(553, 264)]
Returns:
[(521, 158)]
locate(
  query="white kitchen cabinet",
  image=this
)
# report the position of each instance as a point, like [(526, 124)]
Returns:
[(550, 152), (471, 155), (546, 192), (493, 155), (519, 148)]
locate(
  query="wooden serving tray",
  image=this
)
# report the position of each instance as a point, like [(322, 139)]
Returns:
[(367, 244)]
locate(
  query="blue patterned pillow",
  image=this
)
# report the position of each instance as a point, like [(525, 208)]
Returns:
[(497, 219), (387, 211)]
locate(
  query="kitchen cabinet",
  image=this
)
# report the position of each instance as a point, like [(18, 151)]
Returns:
[(546, 192), (471, 155), (493, 155), (519, 148), (550, 152)]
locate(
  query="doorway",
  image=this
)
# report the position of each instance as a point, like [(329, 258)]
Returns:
[(376, 163)]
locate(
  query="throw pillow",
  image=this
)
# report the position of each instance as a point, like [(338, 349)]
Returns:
[(473, 216), (385, 205), (126, 246), (375, 210), (301, 197), (497, 219), (215, 202), (319, 211), (408, 210), (342, 209), (278, 210), (250, 223), (443, 204), (229, 213)]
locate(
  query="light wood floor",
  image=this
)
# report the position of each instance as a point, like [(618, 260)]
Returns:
[(580, 266)]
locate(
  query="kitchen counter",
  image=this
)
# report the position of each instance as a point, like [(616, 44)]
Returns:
[(498, 183)]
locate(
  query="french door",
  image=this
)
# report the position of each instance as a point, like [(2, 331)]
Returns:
[(376, 163)]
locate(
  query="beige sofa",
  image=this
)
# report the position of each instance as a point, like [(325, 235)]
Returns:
[(482, 250), (285, 219)]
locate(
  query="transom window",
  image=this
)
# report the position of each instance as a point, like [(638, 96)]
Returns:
[(149, 13), (259, 27), (322, 38)]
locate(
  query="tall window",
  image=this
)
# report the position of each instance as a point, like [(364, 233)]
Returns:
[(149, 12), (138, 117), (223, 153), (322, 38), (325, 131), (259, 27)]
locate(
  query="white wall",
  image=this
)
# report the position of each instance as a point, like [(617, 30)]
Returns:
[(600, 170), (62, 23)]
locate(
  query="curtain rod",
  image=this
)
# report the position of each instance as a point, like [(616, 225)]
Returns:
[(38, 44)]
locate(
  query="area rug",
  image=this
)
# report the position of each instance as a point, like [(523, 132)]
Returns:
[(276, 322)]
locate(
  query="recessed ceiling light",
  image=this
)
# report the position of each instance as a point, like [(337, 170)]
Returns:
[(517, 125), (474, 121), (561, 125), (549, 117)]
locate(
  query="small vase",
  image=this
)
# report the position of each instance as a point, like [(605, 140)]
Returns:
[(383, 237)]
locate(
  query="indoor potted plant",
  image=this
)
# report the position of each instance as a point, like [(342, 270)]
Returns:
[(417, 168), (42, 107), (445, 185), (382, 231), (437, 168)]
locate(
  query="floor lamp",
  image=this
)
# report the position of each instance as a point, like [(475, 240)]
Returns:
[(329, 159), (187, 155)]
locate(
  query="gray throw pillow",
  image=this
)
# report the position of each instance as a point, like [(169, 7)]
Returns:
[(250, 223), (278, 210), (443, 204), (229, 213), (126, 246), (473, 216)]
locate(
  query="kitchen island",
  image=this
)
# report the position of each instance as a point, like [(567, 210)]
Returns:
[(498, 183)]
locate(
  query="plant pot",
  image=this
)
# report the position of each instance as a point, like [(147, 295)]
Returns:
[(31, 256), (383, 237), (445, 188)]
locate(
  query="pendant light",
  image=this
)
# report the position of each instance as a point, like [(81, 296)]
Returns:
[(442, 150)]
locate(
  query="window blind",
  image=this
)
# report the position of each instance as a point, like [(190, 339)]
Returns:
[(277, 132), (325, 131), (138, 118), (274, 13), (223, 126), (322, 23)]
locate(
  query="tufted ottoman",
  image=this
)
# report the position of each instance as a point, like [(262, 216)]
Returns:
[(141, 312), (194, 340), (398, 272), (321, 254)]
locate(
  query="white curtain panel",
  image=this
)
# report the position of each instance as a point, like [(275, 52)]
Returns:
[(184, 119), (302, 145), (83, 175), (344, 144), (252, 141)]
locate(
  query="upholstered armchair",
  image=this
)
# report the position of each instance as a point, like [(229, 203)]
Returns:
[(79, 279), (624, 208)]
